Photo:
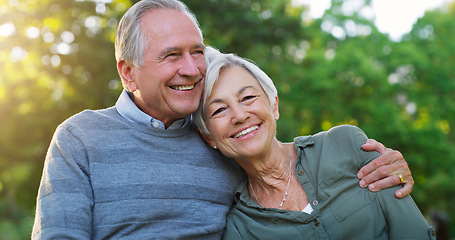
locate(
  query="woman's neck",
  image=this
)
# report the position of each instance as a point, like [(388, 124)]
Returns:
[(269, 167), (272, 183), (271, 176)]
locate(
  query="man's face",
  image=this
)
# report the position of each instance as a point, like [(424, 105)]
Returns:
[(169, 85)]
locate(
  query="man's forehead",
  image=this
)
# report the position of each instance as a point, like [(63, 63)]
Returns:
[(167, 28), (159, 20)]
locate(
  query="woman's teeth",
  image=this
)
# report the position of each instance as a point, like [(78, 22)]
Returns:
[(246, 131)]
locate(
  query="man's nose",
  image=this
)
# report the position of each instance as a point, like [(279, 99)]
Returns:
[(189, 66)]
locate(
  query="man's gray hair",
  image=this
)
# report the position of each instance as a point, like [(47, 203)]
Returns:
[(130, 42)]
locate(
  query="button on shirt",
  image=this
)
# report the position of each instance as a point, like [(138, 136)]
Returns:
[(132, 113)]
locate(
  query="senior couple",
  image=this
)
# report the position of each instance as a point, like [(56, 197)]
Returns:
[(140, 169)]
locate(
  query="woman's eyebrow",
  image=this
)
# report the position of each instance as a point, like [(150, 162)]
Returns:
[(218, 100)]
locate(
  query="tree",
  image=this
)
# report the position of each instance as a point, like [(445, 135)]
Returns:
[(57, 58), (424, 74)]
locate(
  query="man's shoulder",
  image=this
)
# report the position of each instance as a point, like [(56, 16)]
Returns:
[(91, 115), (91, 118)]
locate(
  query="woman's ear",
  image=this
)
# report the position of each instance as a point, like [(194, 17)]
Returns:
[(208, 138), (276, 112), (126, 74)]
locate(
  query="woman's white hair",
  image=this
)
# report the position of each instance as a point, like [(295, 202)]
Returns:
[(217, 61)]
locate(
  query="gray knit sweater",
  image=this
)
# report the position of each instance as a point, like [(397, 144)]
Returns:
[(106, 177)]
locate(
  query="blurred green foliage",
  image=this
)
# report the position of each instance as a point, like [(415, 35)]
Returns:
[(57, 58)]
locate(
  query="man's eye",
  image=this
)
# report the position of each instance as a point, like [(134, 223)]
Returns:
[(172, 56), (199, 52)]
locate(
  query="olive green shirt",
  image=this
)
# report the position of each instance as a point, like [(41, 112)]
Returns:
[(327, 165)]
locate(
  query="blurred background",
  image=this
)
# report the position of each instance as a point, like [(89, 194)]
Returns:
[(333, 62)]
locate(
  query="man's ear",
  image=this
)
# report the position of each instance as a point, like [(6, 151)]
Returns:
[(125, 71)]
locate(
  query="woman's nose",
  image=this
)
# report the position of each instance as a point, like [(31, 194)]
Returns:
[(239, 114)]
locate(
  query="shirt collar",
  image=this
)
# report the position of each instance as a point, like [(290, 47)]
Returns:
[(304, 141), (127, 109)]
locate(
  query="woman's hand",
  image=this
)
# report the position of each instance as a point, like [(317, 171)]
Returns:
[(388, 170)]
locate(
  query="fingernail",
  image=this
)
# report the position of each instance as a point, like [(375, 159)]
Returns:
[(399, 194), (360, 175), (371, 187), (362, 183)]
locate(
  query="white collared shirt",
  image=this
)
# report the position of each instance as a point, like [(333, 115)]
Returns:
[(127, 109)]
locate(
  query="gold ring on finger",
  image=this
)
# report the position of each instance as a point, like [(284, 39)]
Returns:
[(401, 178)]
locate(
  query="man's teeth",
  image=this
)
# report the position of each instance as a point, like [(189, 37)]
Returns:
[(183, 88), (246, 131)]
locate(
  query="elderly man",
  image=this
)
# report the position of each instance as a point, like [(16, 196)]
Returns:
[(139, 170)]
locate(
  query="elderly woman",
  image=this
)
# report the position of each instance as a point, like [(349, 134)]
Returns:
[(307, 189)]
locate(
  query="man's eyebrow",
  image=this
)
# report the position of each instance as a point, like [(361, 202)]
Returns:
[(199, 46), (169, 50), (164, 53)]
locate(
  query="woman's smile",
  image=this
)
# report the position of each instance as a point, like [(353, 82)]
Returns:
[(240, 116), (246, 131)]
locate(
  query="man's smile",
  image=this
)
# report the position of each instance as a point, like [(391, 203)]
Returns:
[(183, 87)]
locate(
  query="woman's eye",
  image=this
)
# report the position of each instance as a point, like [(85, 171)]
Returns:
[(219, 110), (246, 98)]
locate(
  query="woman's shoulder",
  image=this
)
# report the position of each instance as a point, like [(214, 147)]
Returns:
[(344, 130), (341, 134), (341, 144)]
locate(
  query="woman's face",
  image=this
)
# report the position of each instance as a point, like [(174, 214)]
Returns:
[(239, 116)]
